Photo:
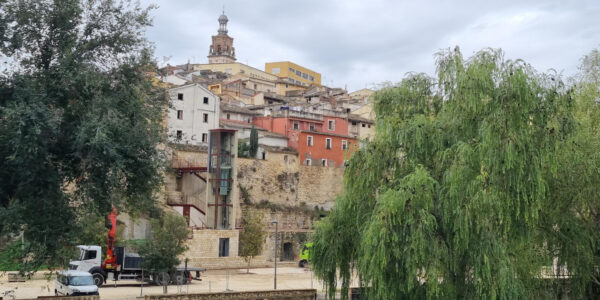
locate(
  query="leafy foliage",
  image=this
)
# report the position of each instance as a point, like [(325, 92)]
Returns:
[(252, 236), (253, 142), (243, 149), (79, 118), (454, 197), (169, 235)]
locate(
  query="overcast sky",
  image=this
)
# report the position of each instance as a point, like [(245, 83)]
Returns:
[(362, 43)]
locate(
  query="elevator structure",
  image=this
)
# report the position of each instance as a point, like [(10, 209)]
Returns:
[(221, 193)]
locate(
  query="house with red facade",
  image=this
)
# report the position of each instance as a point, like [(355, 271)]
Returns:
[(320, 139)]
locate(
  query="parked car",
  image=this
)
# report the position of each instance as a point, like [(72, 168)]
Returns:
[(75, 283)]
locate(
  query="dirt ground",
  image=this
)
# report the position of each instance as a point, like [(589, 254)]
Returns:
[(288, 277)]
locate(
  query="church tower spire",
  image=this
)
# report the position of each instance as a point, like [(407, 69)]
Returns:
[(221, 50)]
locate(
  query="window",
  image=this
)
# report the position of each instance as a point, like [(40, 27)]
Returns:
[(363, 125), (328, 143), (204, 137), (298, 73), (369, 126), (309, 140), (264, 155), (255, 86), (292, 70), (275, 71), (179, 134), (307, 162), (311, 126), (324, 162), (311, 78), (223, 247), (353, 123), (344, 144), (180, 114), (205, 100), (331, 124), (296, 125), (180, 96), (205, 118), (304, 75), (287, 85), (228, 71), (89, 254), (228, 117)]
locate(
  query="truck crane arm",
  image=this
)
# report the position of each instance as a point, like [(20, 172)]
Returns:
[(111, 224)]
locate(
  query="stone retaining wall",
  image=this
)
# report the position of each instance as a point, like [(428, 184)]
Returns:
[(307, 294)]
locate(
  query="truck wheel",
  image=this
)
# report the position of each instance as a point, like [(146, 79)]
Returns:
[(180, 278), (98, 279), (162, 278)]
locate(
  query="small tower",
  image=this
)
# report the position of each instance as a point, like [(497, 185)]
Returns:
[(221, 50)]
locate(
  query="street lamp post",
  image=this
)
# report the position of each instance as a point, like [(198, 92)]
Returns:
[(276, 236)]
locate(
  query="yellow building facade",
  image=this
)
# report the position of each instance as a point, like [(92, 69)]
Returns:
[(293, 73), (237, 68)]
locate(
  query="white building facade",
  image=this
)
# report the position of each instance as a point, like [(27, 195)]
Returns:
[(194, 110)]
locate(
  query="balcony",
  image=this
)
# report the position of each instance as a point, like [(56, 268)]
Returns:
[(298, 114)]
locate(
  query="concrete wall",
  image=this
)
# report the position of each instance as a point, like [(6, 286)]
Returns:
[(203, 249), (274, 179), (319, 186), (281, 180), (308, 294), (135, 229)]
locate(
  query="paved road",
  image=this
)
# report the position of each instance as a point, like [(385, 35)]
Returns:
[(212, 280)]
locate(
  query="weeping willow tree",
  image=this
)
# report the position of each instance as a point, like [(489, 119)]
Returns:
[(450, 200)]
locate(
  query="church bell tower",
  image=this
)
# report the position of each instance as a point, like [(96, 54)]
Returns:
[(221, 51)]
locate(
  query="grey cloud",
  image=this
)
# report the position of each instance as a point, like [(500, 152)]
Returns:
[(364, 42)]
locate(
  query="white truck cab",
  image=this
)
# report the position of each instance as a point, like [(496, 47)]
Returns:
[(89, 257), (74, 283)]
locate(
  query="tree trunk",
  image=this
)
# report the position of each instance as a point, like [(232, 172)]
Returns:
[(248, 268)]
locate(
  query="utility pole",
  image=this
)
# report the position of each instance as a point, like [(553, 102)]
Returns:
[(276, 236)]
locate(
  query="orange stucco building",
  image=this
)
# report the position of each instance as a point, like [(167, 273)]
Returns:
[(319, 139)]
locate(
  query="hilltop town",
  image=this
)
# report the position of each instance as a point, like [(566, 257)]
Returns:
[(306, 131)]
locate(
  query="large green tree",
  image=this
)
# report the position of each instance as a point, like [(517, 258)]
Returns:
[(570, 219), (79, 118), (449, 199)]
